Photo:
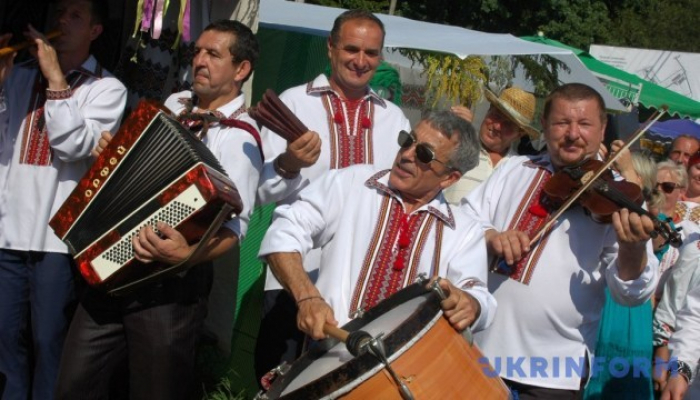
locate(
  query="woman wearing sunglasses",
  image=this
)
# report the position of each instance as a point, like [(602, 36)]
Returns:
[(671, 183)]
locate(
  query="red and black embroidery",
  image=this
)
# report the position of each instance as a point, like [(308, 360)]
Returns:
[(532, 214), (36, 149)]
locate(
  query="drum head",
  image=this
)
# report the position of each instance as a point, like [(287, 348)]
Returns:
[(329, 368)]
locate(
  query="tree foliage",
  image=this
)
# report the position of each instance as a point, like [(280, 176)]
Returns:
[(652, 24)]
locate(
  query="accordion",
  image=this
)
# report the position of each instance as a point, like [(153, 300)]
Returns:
[(154, 169)]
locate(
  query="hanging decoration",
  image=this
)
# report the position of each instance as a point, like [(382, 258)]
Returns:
[(150, 15)]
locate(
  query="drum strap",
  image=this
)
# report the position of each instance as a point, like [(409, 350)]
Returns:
[(439, 226)]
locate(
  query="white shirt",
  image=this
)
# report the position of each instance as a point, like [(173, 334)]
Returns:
[(236, 150), (685, 341), (457, 193), (684, 276), (30, 194), (306, 102), (555, 317), (340, 211)]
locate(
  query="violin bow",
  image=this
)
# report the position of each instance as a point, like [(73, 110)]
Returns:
[(591, 177)]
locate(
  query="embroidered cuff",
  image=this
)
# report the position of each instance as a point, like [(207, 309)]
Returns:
[(58, 94), (283, 173)]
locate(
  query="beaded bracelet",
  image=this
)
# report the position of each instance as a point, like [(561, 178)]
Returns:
[(309, 298), (58, 94)]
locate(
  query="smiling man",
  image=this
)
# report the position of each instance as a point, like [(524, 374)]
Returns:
[(356, 216), (157, 328), (349, 124), (510, 116), (550, 294)]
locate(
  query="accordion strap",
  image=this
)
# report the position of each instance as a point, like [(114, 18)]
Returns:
[(237, 123)]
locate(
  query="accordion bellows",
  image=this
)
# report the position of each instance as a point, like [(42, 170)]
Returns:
[(154, 169)]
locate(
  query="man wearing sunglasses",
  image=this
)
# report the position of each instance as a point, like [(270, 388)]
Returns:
[(550, 293), (350, 124), (378, 228)]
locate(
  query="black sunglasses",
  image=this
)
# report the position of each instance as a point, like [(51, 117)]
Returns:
[(424, 153), (668, 187)]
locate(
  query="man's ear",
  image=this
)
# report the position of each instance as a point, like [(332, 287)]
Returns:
[(450, 179), (96, 31), (244, 69)]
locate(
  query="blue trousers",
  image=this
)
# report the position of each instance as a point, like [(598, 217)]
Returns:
[(37, 286)]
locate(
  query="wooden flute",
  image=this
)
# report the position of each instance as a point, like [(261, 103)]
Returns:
[(19, 46)]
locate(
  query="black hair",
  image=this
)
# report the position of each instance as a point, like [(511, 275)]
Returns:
[(245, 47)]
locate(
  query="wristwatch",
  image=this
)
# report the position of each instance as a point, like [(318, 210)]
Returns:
[(681, 368)]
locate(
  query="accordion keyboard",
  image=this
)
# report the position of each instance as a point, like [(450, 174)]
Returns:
[(173, 213)]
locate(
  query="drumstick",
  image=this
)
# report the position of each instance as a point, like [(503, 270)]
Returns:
[(355, 341), (336, 333), (19, 46)]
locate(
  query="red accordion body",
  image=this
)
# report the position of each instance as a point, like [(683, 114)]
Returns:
[(153, 170)]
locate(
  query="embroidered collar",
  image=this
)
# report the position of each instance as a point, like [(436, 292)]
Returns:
[(90, 67), (231, 109), (437, 206), (321, 85)]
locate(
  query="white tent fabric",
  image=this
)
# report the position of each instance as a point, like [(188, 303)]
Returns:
[(410, 34)]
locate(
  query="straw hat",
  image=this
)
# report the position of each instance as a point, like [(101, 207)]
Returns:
[(518, 106)]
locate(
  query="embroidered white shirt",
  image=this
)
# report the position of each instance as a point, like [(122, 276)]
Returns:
[(684, 277), (339, 212), (31, 194), (236, 150), (306, 102), (554, 319)]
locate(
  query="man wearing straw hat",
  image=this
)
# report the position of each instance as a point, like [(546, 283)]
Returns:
[(509, 117)]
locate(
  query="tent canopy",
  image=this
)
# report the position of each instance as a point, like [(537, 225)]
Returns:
[(411, 34), (673, 128), (650, 94)]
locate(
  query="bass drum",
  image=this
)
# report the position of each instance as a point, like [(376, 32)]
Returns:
[(432, 359)]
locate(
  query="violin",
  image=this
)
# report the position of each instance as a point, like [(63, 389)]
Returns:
[(591, 184), (605, 196), (601, 194)]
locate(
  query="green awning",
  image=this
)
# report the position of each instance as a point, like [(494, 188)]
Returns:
[(622, 84)]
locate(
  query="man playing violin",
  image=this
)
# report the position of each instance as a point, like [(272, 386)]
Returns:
[(53, 109), (550, 293)]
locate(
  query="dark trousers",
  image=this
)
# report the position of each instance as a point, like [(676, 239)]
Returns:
[(526, 392), (155, 329), (39, 286), (279, 340)]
